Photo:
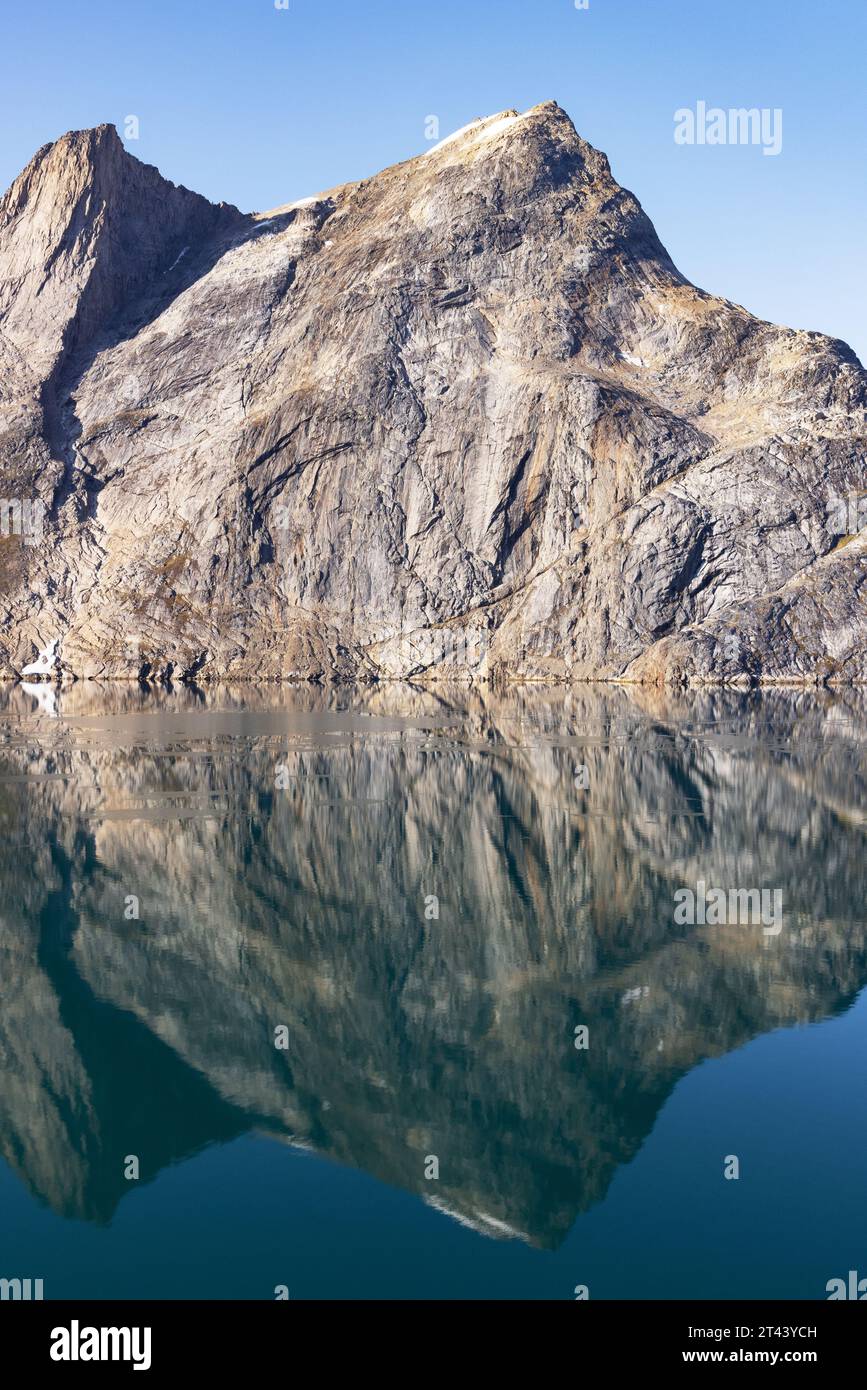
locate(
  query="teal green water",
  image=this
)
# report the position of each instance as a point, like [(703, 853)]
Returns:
[(336, 1044)]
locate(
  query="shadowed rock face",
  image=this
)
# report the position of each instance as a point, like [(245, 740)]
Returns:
[(461, 418), (304, 906)]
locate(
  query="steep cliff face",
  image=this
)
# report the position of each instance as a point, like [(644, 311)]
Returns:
[(462, 418)]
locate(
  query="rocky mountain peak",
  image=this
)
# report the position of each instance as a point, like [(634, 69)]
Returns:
[(462, 418), (546, 126), (63, 168), (83, 230)]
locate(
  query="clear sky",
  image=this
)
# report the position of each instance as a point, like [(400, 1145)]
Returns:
[(258, 105)]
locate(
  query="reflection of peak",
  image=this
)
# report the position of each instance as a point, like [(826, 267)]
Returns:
[(408, 1038), (106, 1087), (477, 1221)]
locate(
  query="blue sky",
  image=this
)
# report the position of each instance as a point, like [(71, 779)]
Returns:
[(259, 106)]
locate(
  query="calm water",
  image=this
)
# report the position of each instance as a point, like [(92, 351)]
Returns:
[(289, 852)]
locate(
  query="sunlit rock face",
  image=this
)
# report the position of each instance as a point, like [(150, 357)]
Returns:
[(284, 849), (463, 418)]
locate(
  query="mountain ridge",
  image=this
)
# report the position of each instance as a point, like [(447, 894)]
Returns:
[(464, 418)]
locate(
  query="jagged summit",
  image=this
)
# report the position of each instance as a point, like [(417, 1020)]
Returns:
[(486, 128), (461, 418), (62, 160), (78, 159), (83, 230), (546, 123)]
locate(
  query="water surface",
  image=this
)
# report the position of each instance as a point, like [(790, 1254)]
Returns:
[(423, 895)]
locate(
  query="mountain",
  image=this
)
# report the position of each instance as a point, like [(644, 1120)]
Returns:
[(463, 418)]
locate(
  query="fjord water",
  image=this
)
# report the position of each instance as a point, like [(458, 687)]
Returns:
[(285, 848)]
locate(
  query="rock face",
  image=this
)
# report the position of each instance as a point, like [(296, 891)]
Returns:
[(464, 418)]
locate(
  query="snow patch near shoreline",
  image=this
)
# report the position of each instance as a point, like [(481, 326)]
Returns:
[(45, 661)]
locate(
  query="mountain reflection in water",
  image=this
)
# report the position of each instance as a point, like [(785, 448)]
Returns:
[(304, 905)]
